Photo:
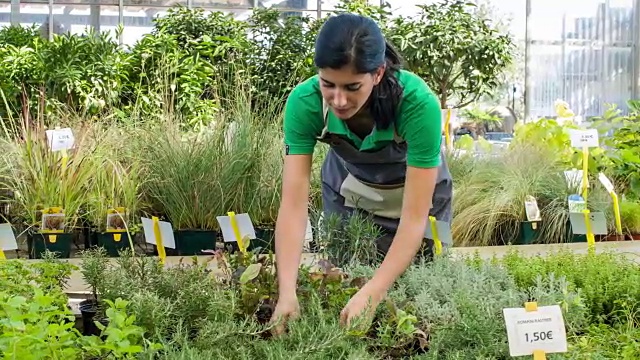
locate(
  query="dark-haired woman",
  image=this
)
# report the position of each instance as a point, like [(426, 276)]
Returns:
[(383, 125)]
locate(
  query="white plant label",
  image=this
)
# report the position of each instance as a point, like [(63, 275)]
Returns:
[(166, 231), (308, 236), (606, 182), (245, 226), (542, 329), (7, 238), (531, 209), (60, 139), (582, 138)]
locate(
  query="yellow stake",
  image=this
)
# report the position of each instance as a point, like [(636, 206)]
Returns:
[(591, 240), (529, 307), (616, 212), (2, 255), (447, 124), (236, 231), (436, 239), (585, 172), (156, 231)]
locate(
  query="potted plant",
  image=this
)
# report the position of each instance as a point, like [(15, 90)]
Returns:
[(94, 265), (113, 200), (48, 188), (182, 185)]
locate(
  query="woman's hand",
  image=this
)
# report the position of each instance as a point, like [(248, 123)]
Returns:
[(286, 309), (362, 306)]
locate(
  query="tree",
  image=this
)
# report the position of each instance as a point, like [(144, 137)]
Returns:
[(456, 50)]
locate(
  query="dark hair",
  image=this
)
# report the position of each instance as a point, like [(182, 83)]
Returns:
[(350, 39)]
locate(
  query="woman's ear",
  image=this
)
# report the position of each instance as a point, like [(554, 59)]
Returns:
[(379, 74)]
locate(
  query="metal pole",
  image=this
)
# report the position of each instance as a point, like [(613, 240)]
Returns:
[(15, 12), (527, 63), (190, 4), (563, 52), (50, 20), (604, 57), (319, 9), (635, 73), (121, 19)]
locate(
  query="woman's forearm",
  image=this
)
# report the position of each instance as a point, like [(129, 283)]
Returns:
[(405, 246), (289, 236)]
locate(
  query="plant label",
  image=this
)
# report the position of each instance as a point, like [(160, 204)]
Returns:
[(166, 231), (539, 330), (582, 138), (531, 209), (245, 226), (444, 232), (604, 180), (7, 238), (308, 236), (60, 139), (597, 221)]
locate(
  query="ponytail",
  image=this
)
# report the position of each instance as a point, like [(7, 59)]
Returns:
[(386, 96)]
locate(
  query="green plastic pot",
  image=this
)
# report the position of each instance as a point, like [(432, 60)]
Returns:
[(112, 242), (193, 242)]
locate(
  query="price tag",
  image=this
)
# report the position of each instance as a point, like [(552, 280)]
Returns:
[(582, 138), (60, 139), (539, 330)]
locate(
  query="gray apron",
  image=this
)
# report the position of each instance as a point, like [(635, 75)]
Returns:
[(373, 183)]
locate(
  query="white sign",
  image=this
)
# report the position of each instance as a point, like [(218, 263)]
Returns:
[(166, 231), (245, 226), (582, 138), (60, 139), (542, 329), (7, 238), (606, 182)]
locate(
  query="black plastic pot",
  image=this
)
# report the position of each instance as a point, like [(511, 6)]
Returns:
[(89, 310)]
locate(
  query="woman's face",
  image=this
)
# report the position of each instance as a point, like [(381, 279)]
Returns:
[(346, 91)]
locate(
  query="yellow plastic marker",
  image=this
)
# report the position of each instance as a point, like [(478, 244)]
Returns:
[(604, 180), (2, 255), (591, 239), (436, 239), (616, 212), (585, 172), (447, 125), (529, 307), (236, 231), (117, 237), (156, 231)]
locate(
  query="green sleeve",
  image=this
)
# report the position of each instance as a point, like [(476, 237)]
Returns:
[(302, 119), (420, 125)]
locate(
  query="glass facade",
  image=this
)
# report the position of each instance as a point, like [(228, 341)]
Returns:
[(583, 51)]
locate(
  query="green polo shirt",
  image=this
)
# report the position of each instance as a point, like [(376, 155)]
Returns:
[(419, 122)]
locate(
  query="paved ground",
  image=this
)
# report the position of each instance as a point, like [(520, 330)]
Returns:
[(77, 286)]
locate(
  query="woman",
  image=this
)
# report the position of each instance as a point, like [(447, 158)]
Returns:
[(384, 127)]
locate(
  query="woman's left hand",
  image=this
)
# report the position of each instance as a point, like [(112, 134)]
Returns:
[(361, 306)]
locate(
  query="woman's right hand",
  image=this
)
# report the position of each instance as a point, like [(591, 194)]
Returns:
[(286, 309)]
